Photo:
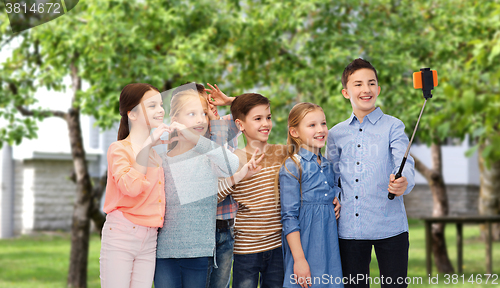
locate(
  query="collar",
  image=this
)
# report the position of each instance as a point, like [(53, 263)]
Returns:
[(373, 117), (308, 155)]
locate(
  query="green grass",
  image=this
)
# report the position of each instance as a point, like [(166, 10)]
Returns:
[(42, 260), (474, 256)]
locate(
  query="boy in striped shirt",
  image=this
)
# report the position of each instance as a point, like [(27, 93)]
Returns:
[(257, 247)]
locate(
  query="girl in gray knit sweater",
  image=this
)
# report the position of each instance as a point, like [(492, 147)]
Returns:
[(186, 243)]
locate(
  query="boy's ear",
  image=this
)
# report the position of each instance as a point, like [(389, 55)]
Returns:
[(345, 94), (293, 132), (378, 90), (238, 123)]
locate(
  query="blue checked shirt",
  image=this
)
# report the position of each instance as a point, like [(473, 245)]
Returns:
[(224, 132), (366, 154)]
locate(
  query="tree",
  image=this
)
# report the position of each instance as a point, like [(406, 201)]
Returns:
[(107, 45), (480, 102)]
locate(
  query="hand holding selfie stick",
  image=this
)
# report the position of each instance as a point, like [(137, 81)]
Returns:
[(426, 80)]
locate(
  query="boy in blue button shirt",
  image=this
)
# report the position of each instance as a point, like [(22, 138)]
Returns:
[(367, 150)]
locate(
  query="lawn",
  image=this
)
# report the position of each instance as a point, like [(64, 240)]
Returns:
[(41, 260)]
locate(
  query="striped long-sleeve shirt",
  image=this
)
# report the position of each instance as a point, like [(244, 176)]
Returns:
[(257, 225)]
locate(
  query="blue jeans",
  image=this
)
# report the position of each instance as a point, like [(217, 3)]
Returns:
[(224, 240), (181, 272), (269, 264)]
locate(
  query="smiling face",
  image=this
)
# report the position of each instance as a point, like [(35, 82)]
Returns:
[(153, 110), (362, 90), (193, 115), (257, 124), (312, 131)]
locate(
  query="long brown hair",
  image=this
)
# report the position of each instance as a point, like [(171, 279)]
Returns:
[(130, 97), (298, 112)]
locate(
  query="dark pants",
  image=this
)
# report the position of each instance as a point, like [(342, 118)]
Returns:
[(269, 264), (224, 241), (181, 272), (392, 257)]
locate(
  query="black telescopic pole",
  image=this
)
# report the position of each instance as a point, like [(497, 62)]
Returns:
[(427, 86), (398, 175)]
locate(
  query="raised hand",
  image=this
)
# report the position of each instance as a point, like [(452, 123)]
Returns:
[(217, 97), (252, 167), (248, 170), (212, 112)]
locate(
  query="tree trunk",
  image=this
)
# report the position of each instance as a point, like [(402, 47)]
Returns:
[(434, 177), (489, 192), (87, 203), (95, 209), (80, 230)]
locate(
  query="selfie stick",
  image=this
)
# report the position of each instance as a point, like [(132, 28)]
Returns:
[(426, 80)]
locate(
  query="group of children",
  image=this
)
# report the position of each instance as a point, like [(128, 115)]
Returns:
[(280, 215)]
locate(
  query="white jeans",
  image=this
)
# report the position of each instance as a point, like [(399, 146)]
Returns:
[(128, 253)]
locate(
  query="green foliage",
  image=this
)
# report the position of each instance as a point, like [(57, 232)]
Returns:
[(304, 62), (113, 43), (290, 51)]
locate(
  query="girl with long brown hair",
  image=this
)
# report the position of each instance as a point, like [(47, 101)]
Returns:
[(135, 194)]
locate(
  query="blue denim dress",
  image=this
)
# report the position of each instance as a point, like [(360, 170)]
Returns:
[(312, 213)]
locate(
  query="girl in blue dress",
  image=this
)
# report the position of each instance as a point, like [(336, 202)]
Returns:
[(307, 190)]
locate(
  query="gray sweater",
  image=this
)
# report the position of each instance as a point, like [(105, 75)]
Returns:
[(191, 199)]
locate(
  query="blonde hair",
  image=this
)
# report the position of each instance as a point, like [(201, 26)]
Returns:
[(178, 102), (298, 112)]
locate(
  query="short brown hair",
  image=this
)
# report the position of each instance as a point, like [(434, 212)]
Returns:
[(355, 66), (245, 102)]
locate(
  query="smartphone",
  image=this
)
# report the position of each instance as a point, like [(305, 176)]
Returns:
[(417, 79)]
